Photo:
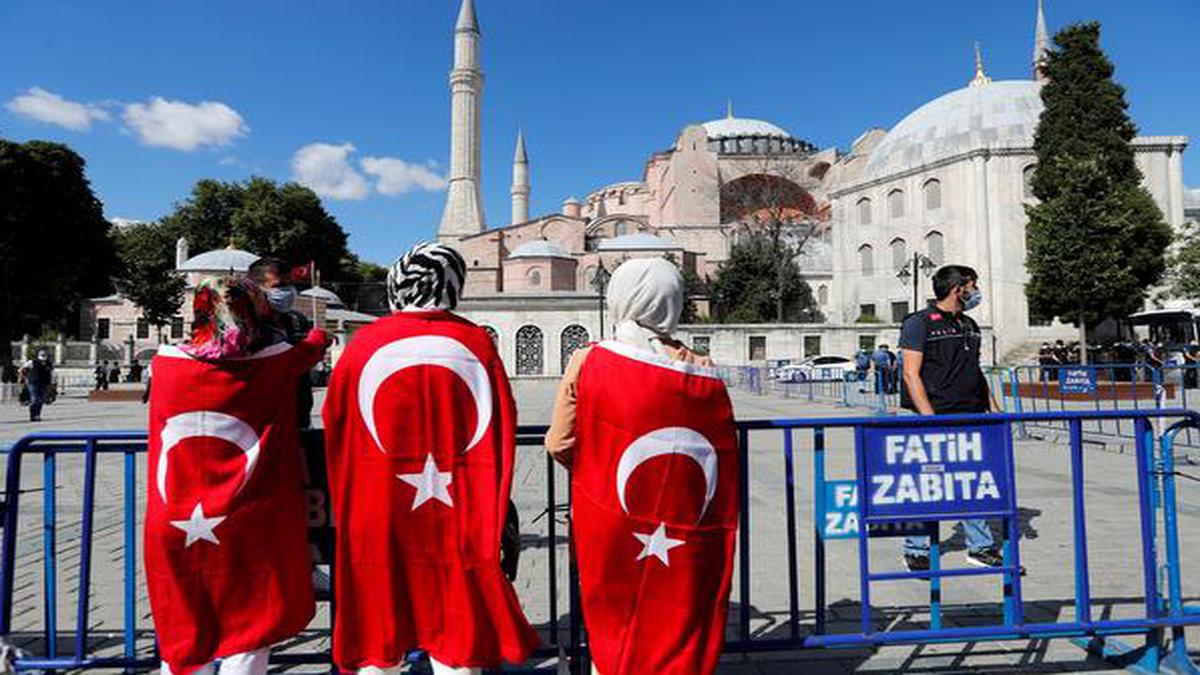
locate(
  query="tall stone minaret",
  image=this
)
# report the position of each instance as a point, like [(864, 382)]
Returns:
[(520, 182), (1041, 44), (463, 216)]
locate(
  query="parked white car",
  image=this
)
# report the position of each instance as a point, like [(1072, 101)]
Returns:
[(816, 368)]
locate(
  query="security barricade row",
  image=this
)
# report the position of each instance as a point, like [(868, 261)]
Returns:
[(1035, 388), (871, 390), (870, 477)]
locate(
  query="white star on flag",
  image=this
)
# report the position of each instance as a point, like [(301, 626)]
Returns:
[(430, 483), (198, 527), (657, 544)]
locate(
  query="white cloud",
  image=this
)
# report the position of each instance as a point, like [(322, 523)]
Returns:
[(50, 108), (326, 169), (396, 176), (228, 161), (1191, 197), (184, 126), (122, 223)]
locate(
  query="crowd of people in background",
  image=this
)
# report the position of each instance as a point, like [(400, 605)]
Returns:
[(878, 371), (1129, 359)]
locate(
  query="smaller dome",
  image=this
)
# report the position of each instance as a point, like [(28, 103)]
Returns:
[(639, 241), (742, 126), (221, 260), (539, 249), (327, 296)]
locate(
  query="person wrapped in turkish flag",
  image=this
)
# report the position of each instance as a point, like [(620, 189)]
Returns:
[(420, 429), (654, 477), (227, 561)]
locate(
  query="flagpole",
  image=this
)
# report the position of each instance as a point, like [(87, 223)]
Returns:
[(315, 284)]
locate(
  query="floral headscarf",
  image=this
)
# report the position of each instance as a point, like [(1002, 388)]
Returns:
[(227, 315)]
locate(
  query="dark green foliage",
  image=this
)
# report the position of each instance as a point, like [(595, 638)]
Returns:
[(1185, 265), (748, 289), (283, 221), (1096, 240), (147, 272), (54, 244)]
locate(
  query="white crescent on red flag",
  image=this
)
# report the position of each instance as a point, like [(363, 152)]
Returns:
[(227, 562), (420, 427), (654, 511)]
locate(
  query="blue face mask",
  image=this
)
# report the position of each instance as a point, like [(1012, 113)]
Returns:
[(972, 300), (281, 298)]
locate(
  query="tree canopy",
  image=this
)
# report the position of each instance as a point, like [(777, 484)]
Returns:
[(1096, 240), (1184, 279), (146, 274), (285, 221), (54, 244), (758, 279)]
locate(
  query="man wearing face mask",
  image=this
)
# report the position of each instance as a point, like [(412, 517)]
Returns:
[(287, 325), (941, 375)]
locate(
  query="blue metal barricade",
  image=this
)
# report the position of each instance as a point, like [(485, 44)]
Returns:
[(1162, 610)]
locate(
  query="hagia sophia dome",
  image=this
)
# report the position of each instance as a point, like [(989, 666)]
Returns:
[(1002, 113)]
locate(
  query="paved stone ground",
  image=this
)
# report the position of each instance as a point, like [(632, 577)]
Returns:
[(1043, 486)]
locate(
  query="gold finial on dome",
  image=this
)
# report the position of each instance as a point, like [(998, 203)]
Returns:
[(980, 78)]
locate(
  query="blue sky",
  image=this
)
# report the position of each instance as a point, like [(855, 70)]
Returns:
[(156, 95)]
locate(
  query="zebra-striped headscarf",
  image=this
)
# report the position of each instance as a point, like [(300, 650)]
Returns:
[(429, 276)]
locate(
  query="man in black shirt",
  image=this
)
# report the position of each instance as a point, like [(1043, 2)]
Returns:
[(940, 347)]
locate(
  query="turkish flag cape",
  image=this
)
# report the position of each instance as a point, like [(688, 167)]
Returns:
[(227, 561), (420, 431), (654, 510)]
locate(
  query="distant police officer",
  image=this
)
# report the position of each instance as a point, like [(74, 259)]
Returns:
[(941, 375)]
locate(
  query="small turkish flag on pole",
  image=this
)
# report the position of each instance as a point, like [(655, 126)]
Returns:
[(303, 272)]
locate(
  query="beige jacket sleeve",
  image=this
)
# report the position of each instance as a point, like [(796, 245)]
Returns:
[(560, 438)]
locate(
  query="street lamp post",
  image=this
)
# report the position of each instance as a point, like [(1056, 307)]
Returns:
[(920, 264), (600, 283)]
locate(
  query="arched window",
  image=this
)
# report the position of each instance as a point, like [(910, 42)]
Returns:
[(935, 244), (529, 350), (864, 211), (895, 200), (492, 334), (866, 256), (573, 337), (899, 253), (822, 295), (933, 194), (535, 277), (1027, 180), (619, 228)]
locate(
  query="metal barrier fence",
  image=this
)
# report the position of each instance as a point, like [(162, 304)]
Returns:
[(1162, 609), (875, 391), (1021, 389)]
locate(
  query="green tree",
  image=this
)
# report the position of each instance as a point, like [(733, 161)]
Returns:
[(54, 244), (693, 287), (757, 280), (284, 221), (1096, 241), (147, 274), (1184, 265)]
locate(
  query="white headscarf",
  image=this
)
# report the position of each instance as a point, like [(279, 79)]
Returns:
[(645, 298)]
